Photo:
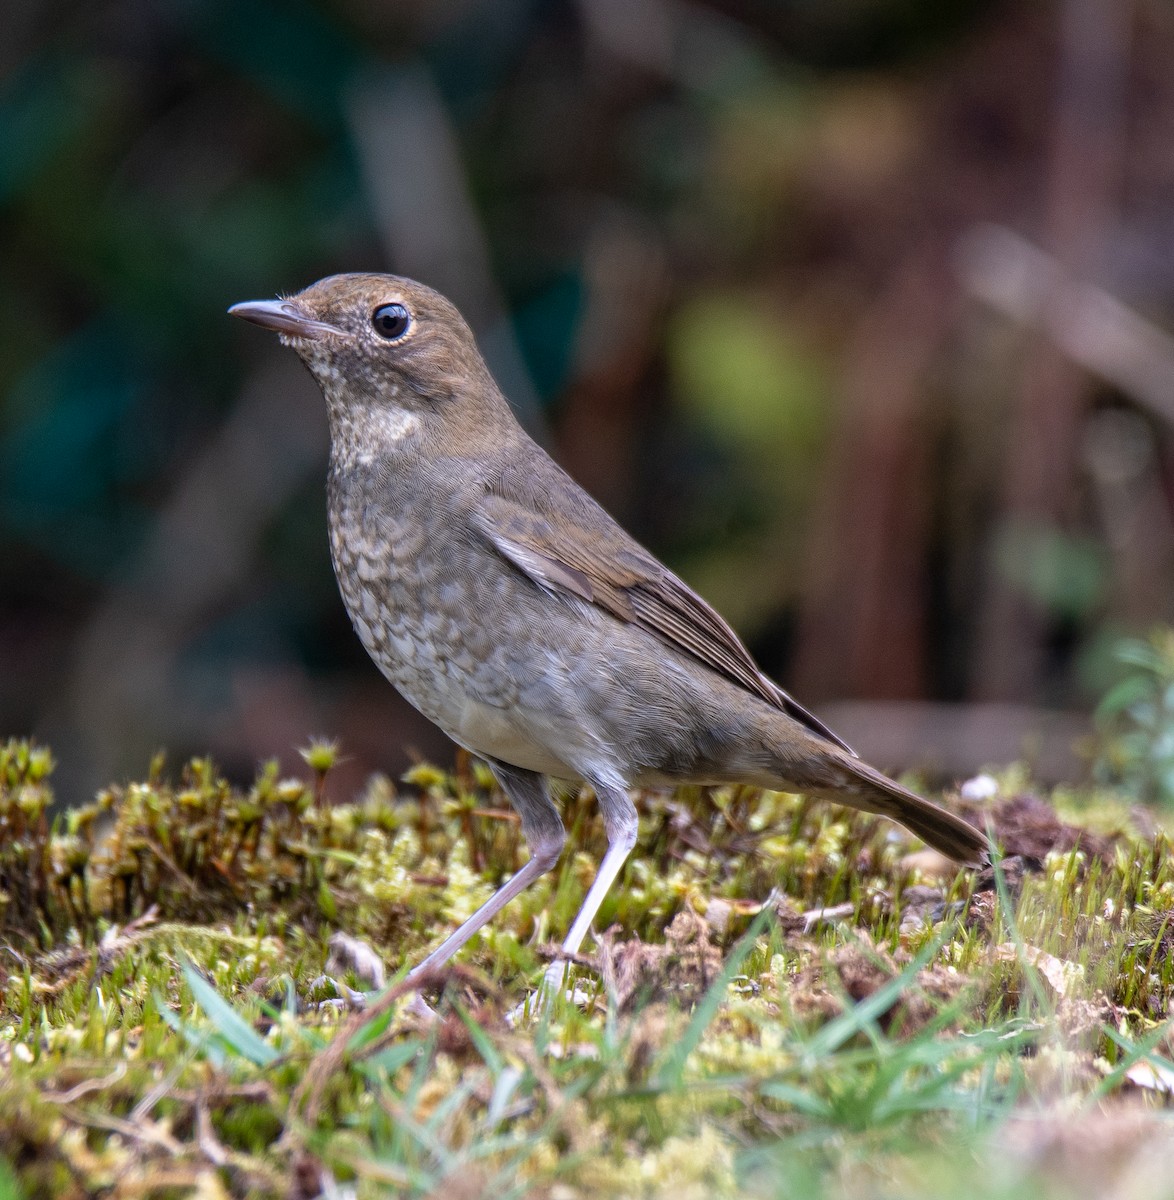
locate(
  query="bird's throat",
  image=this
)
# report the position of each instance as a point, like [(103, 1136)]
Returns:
[(359, 439)]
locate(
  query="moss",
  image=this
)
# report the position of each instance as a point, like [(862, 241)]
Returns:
[(170, 989)]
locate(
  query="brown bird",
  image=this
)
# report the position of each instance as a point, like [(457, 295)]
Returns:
[(513, 611)]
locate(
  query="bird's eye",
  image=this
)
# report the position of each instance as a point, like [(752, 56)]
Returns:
[(391, 321)]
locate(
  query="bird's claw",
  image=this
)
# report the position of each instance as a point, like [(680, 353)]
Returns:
[(419, 1008), (555, 981)]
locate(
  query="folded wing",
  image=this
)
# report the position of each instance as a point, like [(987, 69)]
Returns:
[(553, 535)]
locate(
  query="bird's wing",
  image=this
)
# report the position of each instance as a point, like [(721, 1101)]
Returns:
[(565, 543)]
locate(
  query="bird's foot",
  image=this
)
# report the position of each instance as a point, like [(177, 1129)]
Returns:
[(344, 997), (419, 1008), (556, 981), (348, 998)]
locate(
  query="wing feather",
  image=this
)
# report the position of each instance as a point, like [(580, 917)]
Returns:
[(604, 566)]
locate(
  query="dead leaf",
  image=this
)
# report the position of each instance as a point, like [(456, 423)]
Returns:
[(1061, 973), (683, 968), (1154, 1077)]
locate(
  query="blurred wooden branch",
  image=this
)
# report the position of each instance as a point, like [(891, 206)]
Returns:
[(1042, 448), (426, 218), (1094, 329), (863, 624)]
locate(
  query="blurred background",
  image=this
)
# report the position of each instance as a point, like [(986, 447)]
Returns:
[(858, 313)]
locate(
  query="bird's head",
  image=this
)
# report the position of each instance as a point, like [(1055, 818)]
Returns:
[(395, 360)]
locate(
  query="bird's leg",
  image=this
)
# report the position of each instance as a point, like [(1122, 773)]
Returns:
[(545, 836), (619, 819)]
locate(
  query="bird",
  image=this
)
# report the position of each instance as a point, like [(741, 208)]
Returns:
[(516, 614)]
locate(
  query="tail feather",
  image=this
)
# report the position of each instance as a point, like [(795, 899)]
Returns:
[(871, 791)]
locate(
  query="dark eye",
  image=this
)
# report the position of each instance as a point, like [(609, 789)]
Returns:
[(391, 321)]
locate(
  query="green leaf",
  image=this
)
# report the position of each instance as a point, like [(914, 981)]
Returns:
[(1141, 654), (1123, 696), (326, 904), (10, 1188), (231, 1027), (835, 1033), (798, 1098), (388, 1061), (196, 1039)]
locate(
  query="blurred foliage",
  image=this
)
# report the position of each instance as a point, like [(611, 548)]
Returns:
[(676, 230), (734, 367), (1063, 574), (1136, 721)]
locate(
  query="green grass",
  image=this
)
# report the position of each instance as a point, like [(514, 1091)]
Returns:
[(173, 1022)]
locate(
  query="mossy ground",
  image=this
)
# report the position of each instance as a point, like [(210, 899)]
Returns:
[(789, 1000)]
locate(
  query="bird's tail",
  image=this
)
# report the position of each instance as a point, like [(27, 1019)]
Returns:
[(866, 788)]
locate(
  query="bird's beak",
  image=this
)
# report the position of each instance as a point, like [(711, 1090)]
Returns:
[(284, 316)]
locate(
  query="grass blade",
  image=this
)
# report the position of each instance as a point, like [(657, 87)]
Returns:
[(231, 1027), (672, 1067)]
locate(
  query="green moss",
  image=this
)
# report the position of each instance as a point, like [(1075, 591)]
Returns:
[(170, 990)]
